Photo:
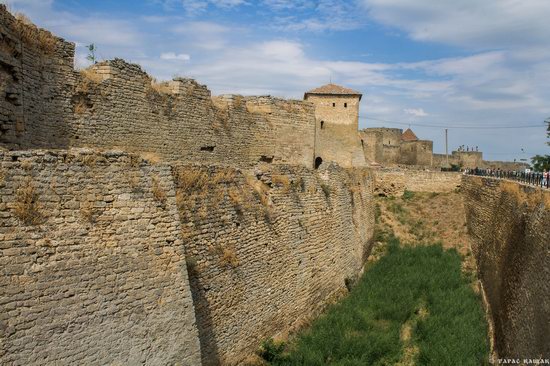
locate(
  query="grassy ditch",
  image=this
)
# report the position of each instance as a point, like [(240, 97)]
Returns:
[(413, 306)]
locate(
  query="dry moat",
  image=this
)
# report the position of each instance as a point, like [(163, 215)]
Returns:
[(151, 223)]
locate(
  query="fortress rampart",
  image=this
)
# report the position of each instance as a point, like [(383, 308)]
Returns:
[(108, 258), (509, 224)]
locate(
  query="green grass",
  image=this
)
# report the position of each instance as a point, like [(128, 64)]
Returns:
[(364, 328), (407, 195)]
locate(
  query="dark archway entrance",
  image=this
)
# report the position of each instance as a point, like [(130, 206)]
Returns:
[(318, 162)]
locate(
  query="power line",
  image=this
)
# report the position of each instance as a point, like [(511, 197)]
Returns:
[(454, 126)]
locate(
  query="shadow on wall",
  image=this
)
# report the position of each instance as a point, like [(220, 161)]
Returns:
[(209, 348)]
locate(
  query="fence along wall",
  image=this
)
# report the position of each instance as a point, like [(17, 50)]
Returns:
[(92, 262), (510, 227), (269, 248)]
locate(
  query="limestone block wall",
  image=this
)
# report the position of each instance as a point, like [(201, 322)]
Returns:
[(36, 74), (372, 145), (337, 138), (509, 224), (116, 105), (394, 181), (92, 264), (269, 248)]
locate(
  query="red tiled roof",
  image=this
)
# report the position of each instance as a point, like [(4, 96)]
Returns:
[(408, 135), (333, 89)]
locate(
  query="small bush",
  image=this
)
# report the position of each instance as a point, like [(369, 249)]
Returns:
[(281, 179), (192, 265), (190, 180), (407, 195), (272, 351), (26, 204), (158, 192), (34, 36), (229, 257)]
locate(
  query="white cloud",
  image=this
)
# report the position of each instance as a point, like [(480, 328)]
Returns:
[(468, 23), (416, 112), (175, 56)]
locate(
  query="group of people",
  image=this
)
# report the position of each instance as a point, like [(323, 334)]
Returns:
[(539, 179), (466, 148)]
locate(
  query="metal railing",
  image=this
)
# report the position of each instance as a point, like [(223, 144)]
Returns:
[(531, 178)]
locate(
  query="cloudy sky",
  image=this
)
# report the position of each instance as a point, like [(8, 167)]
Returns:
[(462, 64)]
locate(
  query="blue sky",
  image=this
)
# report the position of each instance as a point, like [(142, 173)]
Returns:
[(420, 62)]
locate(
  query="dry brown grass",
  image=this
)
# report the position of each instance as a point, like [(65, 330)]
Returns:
[(282, 180), (26, 164), (261, 190), (162, 87), (89, 80), (34, 36), (151, 157), (191, 180), (26, 206), (225, 175), (229, 257), (91, 75), (88, 211), (158, 192), (80, 107), (238, 101), (89, 160)]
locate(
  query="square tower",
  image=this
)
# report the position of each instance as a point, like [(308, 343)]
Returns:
[(337, 122)]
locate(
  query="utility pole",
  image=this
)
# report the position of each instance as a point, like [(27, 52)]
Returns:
[(446, 147)]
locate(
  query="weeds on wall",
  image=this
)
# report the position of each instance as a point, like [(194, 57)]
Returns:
[(88, 212), (227, 255), (283, 181), (32, 35), (158, 192), (26, 206)]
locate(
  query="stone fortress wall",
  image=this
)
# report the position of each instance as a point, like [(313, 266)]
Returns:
[(47, 104), (386, 147), (188, 261), (93, 265), (110, 257), (394, 181), (37, 79), (509, 224)]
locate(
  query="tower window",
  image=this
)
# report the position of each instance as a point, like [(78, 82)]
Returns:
[(334, 104), (345, 105), (322, 124)]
